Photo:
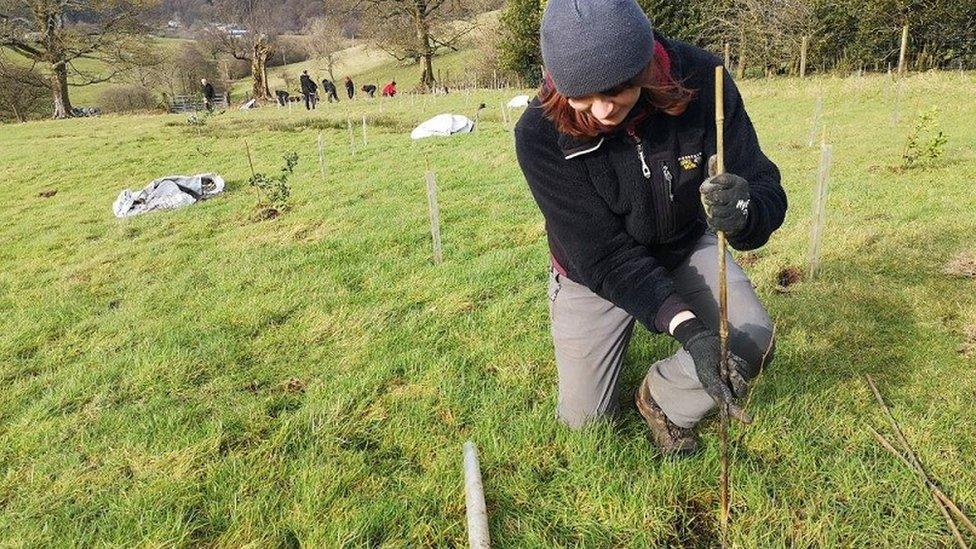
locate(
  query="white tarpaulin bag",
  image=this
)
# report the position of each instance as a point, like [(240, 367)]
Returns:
[(167, 193), (443, 125), (518, 101)]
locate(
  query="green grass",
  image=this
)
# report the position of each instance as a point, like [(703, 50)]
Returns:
[(147, 365)]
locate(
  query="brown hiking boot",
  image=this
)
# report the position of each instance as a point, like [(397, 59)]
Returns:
[(670, 439)]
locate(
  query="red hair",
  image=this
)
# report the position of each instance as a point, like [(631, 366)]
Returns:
[(664, 93)]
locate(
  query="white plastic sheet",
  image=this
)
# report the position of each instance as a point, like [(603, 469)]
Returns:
[(518, 102), (443, 125), (167, 193)]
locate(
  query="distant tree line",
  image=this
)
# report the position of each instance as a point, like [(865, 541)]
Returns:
[(765, 35)]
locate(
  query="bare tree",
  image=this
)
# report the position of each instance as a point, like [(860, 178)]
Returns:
[(417, 29), (323, 39), (40, 31), (249, 32)]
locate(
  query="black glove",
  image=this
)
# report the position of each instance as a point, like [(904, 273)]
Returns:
[(705, 349), (726, 200)]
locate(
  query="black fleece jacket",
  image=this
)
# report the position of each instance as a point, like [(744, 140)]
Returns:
[(623, 209)]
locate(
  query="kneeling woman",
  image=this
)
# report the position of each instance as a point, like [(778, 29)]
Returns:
[(615, 150)]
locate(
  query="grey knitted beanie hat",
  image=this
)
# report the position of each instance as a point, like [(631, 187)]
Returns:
[(592, 45)]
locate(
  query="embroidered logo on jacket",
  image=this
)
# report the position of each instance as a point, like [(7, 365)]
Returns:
[(690, 161)]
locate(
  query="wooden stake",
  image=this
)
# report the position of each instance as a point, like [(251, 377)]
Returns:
[(250, 163), (917, 465), (435, 215), (902, 67), (819, 208), (741, 68), (803, 56), (364, 130), (728, 54), (321, 156), (474, 498), (723, 308)]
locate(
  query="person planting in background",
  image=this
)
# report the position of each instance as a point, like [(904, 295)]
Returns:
[(309, 87), (350, 87), (389, 90), (369, 90), (209, 94), (614, 149), (330, 90)]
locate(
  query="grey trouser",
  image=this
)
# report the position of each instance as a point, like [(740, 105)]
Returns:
[(591, 334)]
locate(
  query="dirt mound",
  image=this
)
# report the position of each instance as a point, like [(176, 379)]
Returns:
[(788, 277), (964, 264)]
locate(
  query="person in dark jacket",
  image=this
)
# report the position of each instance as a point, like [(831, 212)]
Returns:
[(350, 87), (209, 95), (369, 90), (615, 149), (309, 88), (330, 90), (282, 98)]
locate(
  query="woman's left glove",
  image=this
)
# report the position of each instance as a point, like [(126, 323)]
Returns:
[(726, 200)]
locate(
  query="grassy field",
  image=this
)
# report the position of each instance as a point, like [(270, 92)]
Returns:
[(199, 378)]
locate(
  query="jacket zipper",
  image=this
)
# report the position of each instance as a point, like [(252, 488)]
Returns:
[(669, 179), (645, 169)]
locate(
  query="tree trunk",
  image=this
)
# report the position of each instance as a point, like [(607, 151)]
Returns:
[(259, 71), (59, 91), (426, 49)]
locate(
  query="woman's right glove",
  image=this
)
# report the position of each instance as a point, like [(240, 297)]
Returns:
[(706, 351)]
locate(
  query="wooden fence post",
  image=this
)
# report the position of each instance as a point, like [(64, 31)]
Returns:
[(803, 56), (902, 68)]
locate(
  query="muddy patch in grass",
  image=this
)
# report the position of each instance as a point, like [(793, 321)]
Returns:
[(694, 525), (963, 265), (48, 193), (787, 277)]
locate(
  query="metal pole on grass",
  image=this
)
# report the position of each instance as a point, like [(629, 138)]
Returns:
[(474, 497)]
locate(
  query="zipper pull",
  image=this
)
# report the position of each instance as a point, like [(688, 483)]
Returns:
[(645, 169), (669, 178)]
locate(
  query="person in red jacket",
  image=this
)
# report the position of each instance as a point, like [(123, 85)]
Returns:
[(616, 150), (390, 90)]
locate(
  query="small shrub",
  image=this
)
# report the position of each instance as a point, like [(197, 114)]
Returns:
[(926, 141), (128, 98), (274, 192)]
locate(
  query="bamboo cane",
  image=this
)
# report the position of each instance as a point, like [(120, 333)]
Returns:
[(723, 308), (247, 149), (912, 458), (936, 492)]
